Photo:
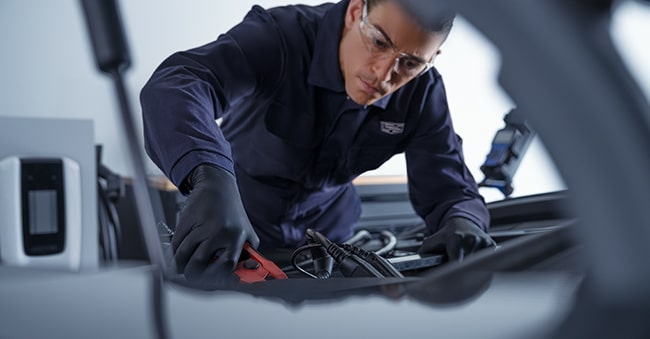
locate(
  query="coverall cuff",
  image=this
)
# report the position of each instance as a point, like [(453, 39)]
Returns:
[(189, 161)]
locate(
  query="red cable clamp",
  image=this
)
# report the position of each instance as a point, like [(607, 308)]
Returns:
[(256, 268)]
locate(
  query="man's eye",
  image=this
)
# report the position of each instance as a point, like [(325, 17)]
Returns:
[(380, 44), (411, 64)]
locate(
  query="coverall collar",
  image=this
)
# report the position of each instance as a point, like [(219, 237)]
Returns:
[(325, 70)]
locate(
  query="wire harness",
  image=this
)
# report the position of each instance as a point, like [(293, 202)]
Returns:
[(352, 261)]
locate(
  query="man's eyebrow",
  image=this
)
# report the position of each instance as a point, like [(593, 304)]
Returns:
[(390, 42)]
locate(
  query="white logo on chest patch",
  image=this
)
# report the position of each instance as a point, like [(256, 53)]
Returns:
[(391, 127)]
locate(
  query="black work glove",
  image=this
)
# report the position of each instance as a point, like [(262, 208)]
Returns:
[(459, 237), (213, 223)]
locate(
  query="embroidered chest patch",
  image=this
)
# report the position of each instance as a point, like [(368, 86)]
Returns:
[(389, 127)]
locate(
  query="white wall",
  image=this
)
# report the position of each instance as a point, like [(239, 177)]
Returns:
[(48, 70)]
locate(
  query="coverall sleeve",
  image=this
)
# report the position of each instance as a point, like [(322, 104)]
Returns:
[(440, 184), (191, 89)]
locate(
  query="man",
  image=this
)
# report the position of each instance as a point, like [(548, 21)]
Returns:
[(310, 98)]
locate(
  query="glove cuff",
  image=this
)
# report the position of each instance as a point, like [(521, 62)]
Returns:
[(206, 174)]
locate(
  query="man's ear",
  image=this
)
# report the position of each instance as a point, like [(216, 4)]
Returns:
[(353, 13)]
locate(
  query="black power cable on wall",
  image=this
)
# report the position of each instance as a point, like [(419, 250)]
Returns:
[(110, 188)]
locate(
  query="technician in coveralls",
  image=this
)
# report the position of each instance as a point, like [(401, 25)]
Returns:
[(311, 97)]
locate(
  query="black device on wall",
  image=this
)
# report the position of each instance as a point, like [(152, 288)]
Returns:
[(43, 206)]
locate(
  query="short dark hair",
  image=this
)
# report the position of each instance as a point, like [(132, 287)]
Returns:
[(441, 23)]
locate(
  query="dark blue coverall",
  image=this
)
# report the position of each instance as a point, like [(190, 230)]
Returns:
[(290, 134)]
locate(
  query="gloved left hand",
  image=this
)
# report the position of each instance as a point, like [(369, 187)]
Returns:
[(458, 237)]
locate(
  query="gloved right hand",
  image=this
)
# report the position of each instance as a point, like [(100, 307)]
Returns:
[(212, 223)]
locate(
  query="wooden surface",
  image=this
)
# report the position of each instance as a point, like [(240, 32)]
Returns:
[(162, 183)]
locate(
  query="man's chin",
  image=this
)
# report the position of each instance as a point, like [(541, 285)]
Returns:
[(363, 98)]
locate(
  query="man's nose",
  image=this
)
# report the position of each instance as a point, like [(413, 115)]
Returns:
[(384, 68)]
